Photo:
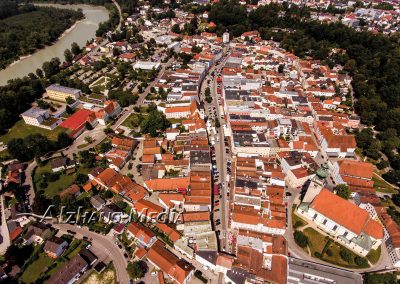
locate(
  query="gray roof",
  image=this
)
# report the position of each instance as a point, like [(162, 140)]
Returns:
[(305, 270), (58, 88), (34, 112), (97, 201), (209, 255)]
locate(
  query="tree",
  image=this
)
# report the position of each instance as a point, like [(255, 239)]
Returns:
[(81, 179), (380, 278), (18, 150), (154, 123), (88, 139), (346, 255), (396, 199), (88, 125), (176, 29), (105, 147), (217, 123), (39, 73), (40, 203), (69, 100), (300, 239), (360, 261), (63, 140), (68, 56), (51, 67), (137, 269), (87, 158), (75, 49), (281, 68), (207, 92), (69, 110), (343, 191)]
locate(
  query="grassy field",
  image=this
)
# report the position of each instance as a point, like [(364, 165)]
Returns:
[(374, 255), (317, 241), (55, 187), (21, 130), (381, 185), (33, 272)]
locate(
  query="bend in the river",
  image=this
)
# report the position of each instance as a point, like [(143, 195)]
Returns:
[(80, 33)]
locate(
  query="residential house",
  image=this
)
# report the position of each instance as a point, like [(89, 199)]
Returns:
[(55, 246)]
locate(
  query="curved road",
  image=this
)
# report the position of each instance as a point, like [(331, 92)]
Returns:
[(103, 247)]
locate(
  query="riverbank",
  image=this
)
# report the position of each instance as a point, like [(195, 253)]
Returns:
[(80, 31), (54, 42)]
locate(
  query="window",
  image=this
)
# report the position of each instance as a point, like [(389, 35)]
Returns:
[(345, 234), (334, 227), (324, 222)]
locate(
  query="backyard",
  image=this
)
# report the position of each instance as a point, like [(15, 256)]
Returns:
[(33, 272), (54, 186)]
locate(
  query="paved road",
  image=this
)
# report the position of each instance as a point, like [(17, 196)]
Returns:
[(103, 247), (143, 95), (4, 228), (221, 157)]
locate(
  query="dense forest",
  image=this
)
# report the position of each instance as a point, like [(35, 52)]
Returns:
[(30, 29), (372, 60)]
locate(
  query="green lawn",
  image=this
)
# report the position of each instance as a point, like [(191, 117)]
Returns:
[(317, 243), (55, 187), (33, 272), (374, 255), (133, 120), (21, 130), (381, 185)]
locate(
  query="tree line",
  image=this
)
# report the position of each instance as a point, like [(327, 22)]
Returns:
[(32, 29)]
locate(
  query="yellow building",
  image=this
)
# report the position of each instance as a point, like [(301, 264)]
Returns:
[(61, 93)]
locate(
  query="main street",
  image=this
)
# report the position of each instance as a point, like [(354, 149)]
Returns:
[(213, 113)]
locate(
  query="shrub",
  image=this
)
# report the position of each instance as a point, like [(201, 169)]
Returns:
[(329, 252), (300, 239), (346, 255), (317, 255), (360, 261)]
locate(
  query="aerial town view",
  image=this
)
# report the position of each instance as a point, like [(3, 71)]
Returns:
[(197, 141)]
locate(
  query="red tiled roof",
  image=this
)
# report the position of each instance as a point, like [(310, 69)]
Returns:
[(79, 118), (346, 214)]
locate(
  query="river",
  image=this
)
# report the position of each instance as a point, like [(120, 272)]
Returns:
[(79, 33)]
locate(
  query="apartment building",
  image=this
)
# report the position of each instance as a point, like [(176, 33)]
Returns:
[(61, 93)]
